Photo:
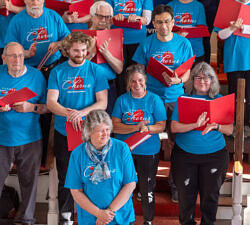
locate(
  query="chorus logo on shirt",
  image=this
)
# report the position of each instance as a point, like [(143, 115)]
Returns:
[(7, 91), (167, 58), (39, 34), (76, 84), (127, 7), (136, 116), (183, 19)]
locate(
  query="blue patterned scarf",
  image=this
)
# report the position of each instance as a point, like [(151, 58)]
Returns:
[(101, 171)]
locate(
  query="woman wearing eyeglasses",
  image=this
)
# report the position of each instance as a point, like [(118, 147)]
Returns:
[(199, 158)]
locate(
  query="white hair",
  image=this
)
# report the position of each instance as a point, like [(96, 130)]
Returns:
[(96, 6)]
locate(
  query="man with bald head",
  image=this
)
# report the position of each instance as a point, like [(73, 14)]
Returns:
[(20, 133)]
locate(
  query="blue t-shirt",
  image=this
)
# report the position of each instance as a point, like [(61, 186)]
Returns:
[(48, 28), (110, 73), (172, 53), (4, 21), (236, 53), (21, 128), (190, 14), (77, 87), (126, 8), (133, 110), (122, 170), (195, 143)]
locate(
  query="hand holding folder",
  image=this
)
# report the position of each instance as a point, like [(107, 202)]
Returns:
[(82, 8), (231, 10), (115, 46), (137, 139), (193, 32), (21, 95), (219, 110), (135, 25), (156, 68), (5, 12)]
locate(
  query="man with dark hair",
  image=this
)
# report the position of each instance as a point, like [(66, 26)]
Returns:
[(20, 133), (75, 88), (172, 50)]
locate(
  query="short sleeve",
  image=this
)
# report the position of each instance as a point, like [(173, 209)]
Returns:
[(117, 110), (147, 5), (140, 54), (175, 114), (129, 173), (202, 16), (53, 82), (159, 111), (73, 177), (101, 81)]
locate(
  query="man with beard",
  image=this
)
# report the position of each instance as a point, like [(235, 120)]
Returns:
[(101, 17), (20, 133), (75, 88), (38, 30)]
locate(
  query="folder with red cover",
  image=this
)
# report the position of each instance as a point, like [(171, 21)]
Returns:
[(231, 10), (193, 32), (74, 138), (5, 12), (21, 95), (115, 45), (82, 7), (136, 139), (156, 68), (135, 25), (58, 6), (219, 110)]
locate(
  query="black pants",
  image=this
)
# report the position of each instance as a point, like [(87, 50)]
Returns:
[(146, 167), (121, 80), (65, 199), (1, 52), (232, 78), (203, 174)]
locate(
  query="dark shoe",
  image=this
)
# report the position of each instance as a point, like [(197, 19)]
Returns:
[(26, 223), (174, 194), (148, 223)]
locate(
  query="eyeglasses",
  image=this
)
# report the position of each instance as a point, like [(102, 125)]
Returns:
[(14, 56), (160, 22), (99, 16), (206, 78)]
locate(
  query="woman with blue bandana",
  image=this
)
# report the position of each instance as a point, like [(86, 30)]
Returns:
[(101, 175)]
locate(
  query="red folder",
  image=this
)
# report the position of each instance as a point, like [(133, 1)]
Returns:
[(58, 6), (135, 25), (82, 8), (5, 12), (21, 95), (231, 10), (136, 139), (115, 45), (156, 68), (219, 110), (193, 32), (74, 137)]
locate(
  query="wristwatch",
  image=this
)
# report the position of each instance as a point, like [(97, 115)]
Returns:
[(35, 108)]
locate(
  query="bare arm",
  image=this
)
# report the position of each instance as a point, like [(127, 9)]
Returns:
[(123, 196), (177, 127), (115, 64), (30, 107), (53, 105), (13, 8), (121, 128), (225, 129), (82, 200), (156, 128), (101, 102)]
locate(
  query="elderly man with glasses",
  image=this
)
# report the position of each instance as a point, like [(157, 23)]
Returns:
[(20, 133), (101, 18)]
